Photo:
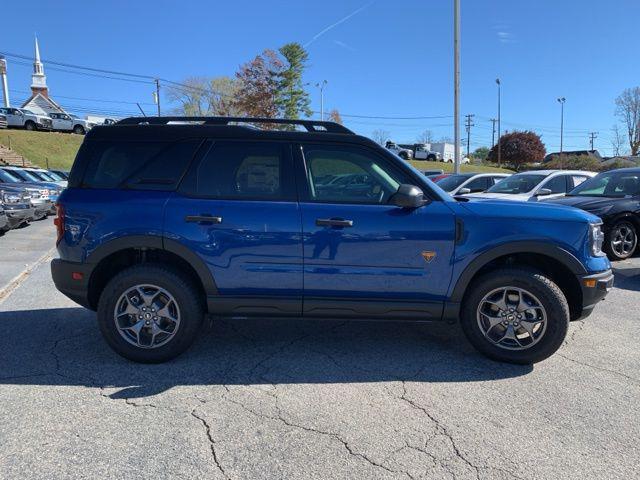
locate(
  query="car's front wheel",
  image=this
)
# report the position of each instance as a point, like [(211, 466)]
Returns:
[(515, 315), (621, 240), (78, 130), (29, 125), (149, 313)]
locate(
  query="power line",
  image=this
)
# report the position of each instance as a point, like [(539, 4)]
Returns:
[(592, 137)]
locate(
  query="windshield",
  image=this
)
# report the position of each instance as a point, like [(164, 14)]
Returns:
[(26, 176), (610, 184), (450, 183), (55, 176), (8, 177), (518, 183), (24, 110), (45, 176)]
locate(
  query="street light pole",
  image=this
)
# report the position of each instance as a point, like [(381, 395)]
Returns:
[(456, 83), (561, 100), (321, 86), (158, 95), (499, 133)]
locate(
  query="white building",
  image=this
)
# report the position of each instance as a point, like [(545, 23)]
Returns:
[(39, 102)]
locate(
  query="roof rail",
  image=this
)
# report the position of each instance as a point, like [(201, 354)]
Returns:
[(309, 125)]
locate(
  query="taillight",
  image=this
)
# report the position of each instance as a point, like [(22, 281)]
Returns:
[(59, 222)]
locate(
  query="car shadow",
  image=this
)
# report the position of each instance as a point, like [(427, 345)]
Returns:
[(627, 275), (64, 347)]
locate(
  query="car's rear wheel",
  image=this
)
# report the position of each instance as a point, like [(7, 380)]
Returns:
[(403, 155), (515, 315), (149, 313), (29, 125), (621, 240)]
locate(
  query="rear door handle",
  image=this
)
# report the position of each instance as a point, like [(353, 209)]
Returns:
[(333, 222), (202, 219)]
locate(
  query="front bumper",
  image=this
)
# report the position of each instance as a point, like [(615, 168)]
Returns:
[(77, 290), (17, 216), (594, 289)]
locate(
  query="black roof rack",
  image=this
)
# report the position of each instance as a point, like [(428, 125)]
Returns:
[(309, 125)]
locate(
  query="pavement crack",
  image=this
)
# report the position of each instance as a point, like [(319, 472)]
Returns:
[(601, 369), (212, 442)]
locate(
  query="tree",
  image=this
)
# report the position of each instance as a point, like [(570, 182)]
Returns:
[(481, 153), (256, 96), (380, 136), (445, 140), (628, 110), (425, 137), (518, 149), (201, 96), (334, 116), (617, 140), (292, 99)]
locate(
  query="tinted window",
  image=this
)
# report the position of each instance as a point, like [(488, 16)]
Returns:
[(451, 182), (138, 165), (350, 175), (557, 184), (519, 183), (576, 180), (610, 184), (250, 171), (478, 184)]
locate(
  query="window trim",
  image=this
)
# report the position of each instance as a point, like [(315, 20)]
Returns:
[(303, 173), (287, 157)]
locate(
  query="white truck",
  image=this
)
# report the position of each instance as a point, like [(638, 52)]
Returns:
[(63, 122), (423, 151), (23, 118), (447, 152), (403, 153)]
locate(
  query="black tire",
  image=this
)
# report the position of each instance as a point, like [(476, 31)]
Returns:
[(29, 125), (403, 155), (78, 130), (190, 303), (432, 158), (547, 292), (620, 254)]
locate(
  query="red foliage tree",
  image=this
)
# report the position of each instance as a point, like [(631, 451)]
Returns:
[(258, 87), (518, 149)]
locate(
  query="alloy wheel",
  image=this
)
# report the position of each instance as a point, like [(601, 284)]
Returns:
[(512, 318), (147, 316), (623, 239)]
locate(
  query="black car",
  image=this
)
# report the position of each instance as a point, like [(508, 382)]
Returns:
[(614, 197)]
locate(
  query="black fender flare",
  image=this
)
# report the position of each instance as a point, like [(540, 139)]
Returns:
[(158, 243), (547, 249)]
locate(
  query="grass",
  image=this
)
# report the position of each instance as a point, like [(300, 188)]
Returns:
[(448, 167), (38, 147)]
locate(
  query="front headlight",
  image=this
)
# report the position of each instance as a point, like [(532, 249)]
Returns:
[(10, 198), (596, 237)]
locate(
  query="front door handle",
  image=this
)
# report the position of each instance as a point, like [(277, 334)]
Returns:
[(202, 219), (333, 222)]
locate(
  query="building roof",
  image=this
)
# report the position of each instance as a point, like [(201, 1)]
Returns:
[(35, 97), (578, 153)]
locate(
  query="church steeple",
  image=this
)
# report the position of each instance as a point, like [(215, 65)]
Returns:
[(38, 78)]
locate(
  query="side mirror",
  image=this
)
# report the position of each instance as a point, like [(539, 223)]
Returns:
[(408, 196), (464, 191), (543, 191)]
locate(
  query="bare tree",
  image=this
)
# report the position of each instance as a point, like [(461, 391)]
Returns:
[(201, 96), (617, 140), (425, 137), (628, 110), (380, 136), (334, 116)]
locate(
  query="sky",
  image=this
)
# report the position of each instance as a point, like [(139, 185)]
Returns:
[(379, 58)]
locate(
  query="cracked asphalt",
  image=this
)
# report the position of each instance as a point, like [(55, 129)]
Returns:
[(262, 399)]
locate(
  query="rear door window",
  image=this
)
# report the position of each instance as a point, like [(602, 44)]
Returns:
[(137, 165)]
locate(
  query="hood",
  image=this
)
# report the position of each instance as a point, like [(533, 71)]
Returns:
[(520, 197), (585, 202), (529, 210)]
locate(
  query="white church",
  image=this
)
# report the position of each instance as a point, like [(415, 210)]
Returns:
[(40, 102)]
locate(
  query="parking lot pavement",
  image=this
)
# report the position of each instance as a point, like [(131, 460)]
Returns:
[(292, 399), (21, 249)]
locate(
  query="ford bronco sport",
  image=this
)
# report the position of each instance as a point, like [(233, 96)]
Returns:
[(168, 219)]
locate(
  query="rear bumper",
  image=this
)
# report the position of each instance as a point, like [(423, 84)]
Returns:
[(594, 289), (77, 289)]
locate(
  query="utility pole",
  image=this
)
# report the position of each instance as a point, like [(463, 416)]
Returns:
[(456, 83), (321, 86), (561, 101), (499, 94), (158, 95), (493, 131), (3, 77), (592, 137), (468, 124)]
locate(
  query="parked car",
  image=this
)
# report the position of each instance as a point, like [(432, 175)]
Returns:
[(3, 121), (46, 176), (63, 122), (43, 194), (403, 153), (465, 183), (536, 184), (63, 174), (423, 152), (4, 222), (429, 173), (17, 207), (23, 118), (613, 196), (162, 223)]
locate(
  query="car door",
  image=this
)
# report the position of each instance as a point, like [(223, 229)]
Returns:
[(362, 255), (14, 117), (237, 210), (476, 185)]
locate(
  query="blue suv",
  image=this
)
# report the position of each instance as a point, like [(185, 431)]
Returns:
[(168, 219)]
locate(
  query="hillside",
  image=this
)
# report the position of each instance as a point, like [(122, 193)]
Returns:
[(59, 148)]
